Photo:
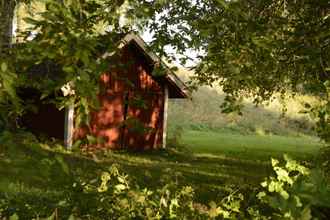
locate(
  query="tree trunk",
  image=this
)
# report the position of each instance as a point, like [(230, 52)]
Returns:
[(7, 10)]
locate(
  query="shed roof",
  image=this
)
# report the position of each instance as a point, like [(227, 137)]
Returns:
[(177, 88)]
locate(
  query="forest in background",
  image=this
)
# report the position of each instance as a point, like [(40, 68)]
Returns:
[(202, 111)]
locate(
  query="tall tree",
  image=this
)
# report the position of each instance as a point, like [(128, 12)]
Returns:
[(7, 11), (254, 48)]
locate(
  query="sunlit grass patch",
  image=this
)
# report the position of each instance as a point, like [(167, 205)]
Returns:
[(250, 146)]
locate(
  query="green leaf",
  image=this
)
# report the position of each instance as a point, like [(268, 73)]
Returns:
[(52, 217), (298, 201), (30, 20), (121, 179), (14, 217), (4, 67), (91, 139), (63, 164), (306, 214), (260, 195), (120, 187), (149, 213), (71, 217), (284, 194), (68, 69), (264, 184), (223, 3), (43, 96), (275, 162)]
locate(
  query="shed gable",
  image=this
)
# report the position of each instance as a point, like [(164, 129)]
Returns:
[(130, 71), (131, 104)]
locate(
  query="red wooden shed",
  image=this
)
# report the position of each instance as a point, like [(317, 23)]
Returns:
[(133, 100)]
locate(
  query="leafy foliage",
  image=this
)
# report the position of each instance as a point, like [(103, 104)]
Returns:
[(252, 48), (62, 47), (10, 105), (293, 191)]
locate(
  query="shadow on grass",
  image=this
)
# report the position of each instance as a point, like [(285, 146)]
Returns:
[(35, 167)]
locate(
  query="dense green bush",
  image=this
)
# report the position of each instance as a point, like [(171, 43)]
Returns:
[(295, 191)]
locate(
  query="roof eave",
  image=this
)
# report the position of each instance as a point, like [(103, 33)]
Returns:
[(170, 76)]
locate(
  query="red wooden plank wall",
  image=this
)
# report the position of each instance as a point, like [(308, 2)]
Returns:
[(132, 101)]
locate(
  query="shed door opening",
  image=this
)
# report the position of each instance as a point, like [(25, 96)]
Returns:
[(42, 118)]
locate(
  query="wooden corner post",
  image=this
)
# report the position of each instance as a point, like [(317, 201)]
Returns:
[(68, 126), (165, 115)]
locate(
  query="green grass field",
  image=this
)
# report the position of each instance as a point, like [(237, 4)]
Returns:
[(260, 147)]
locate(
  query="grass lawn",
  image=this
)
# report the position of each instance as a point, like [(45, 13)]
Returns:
[(250, 146), (212, 160)]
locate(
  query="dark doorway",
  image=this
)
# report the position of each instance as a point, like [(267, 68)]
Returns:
[(41, 117)]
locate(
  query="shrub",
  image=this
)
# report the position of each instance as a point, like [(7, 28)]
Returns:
[(295, 192)]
